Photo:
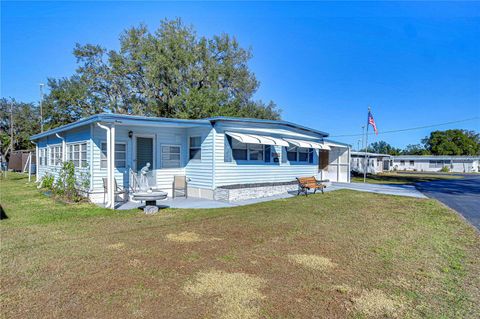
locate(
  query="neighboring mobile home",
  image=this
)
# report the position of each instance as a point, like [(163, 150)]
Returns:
[(376, 163), (434, 163), (214, 153)]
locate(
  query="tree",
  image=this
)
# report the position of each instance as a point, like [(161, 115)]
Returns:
[(68, 102), (453, 142), (415, 149), (26, 122), (383, 147), (170, 73)]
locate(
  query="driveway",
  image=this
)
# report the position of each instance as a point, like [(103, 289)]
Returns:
[(463, 195), (390, 189)]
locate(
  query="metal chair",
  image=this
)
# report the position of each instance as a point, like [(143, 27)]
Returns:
[(180, 184), (117, 190)]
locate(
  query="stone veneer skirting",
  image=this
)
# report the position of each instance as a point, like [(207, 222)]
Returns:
[(234, 193)]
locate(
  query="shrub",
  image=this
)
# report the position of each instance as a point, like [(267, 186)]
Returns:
[(445, 169), (48, 181), (66, 184)]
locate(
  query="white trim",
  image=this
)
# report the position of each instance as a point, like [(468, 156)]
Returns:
[(199, 147), (247, 145), (101, 152), (49, 161), (79, 143), (297, 156), (161, 156)]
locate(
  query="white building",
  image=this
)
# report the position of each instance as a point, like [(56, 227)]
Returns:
[(377, 163), (434, 163)]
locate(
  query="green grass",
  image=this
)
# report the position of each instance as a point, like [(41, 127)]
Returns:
[(79, 260), (403, 178)]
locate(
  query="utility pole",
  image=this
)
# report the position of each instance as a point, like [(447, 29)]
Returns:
[(41, 107), (363, 135), (11, 126)]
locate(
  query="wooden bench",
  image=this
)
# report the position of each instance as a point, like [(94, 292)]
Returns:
[(307, 183)]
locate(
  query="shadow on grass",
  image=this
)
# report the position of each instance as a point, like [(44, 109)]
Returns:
[(3, 215)]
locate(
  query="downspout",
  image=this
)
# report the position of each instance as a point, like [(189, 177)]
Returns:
[(36, 161), (109, 177), (64, 147), (214, 156)]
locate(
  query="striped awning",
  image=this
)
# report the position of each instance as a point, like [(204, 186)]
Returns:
[(257, 139), (307, 144)]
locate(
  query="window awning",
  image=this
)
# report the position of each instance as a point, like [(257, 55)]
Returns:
[(307, 144), (257, 139), (330, 144)]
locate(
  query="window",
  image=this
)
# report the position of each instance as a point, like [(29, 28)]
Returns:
[(402, 163), (77, 153), (298, 154), (247, 152), (412, 163), (239, 150), (439, 163), (292, 153), (55, 155), (43, 157), (195, 151), (255, 152), (120, 155), (170, 156)]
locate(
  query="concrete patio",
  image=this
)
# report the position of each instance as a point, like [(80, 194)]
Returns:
[(194, 203)]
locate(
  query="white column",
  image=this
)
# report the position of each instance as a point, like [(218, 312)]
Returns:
[(349, 167), (36, 162), (109, 177), (112, 166)]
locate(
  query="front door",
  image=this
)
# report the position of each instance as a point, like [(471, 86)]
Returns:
[(323, 163), (143, 152)]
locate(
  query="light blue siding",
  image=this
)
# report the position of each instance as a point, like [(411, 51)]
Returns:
[(76, 135), (230, 173), (200, 172)]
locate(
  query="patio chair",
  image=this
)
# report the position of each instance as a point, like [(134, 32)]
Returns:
[(179, 185), (117, 190)]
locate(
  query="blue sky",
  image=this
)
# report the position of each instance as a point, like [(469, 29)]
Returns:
[(323, 63)]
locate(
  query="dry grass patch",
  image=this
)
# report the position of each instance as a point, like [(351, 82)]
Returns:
[(238, 293), (116, 246), (374, 303), (188, 237), (343, 289), (313, 261)]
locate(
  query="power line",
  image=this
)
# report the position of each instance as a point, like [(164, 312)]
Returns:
[(411, 128)]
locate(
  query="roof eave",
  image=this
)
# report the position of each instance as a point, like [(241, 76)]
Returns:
[(250, 120)]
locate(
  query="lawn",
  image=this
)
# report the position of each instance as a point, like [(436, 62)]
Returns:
[(403, 178), (340, 254)]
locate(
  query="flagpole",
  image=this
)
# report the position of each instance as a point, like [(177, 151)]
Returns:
[(365, 163)]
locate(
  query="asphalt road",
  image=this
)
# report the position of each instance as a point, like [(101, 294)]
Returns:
[(463, 195)]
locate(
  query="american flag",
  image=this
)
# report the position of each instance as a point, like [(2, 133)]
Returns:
[(371, 121)]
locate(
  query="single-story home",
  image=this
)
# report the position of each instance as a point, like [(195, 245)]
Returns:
[(214, 154), (376, 163), (434, 163)]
